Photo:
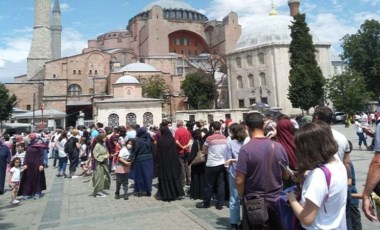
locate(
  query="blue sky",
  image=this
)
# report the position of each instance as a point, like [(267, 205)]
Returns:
[(82, 20)]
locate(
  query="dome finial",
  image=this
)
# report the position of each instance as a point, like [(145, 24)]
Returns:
[(273, 11)]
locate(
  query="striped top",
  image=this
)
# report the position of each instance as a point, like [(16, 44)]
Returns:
[(216, 144)]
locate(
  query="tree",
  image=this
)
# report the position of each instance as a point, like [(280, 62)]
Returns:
[(305, 77), (199, 88), (154, 87), (7, 102), (361, 52), (348, 92)]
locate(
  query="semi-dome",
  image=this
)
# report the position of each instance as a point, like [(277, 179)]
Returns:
[(137, 67), (127, 79), (169, 5), (267, 30)]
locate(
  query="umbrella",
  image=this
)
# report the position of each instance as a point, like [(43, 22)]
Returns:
[(260, 105)]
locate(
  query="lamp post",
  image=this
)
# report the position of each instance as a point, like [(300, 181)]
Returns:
[(42, 115), (170, 104)]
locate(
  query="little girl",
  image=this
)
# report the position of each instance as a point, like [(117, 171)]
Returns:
[(14, 179), (122, 169)]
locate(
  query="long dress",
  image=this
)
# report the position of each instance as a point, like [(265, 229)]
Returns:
[(169, 167), (33, 180), (4, 158), (197, 173), (100, 179)]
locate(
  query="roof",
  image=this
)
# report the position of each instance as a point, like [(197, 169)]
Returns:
[(137, 67), (267, 30), (169, 4), (38, 113), (127, 79)]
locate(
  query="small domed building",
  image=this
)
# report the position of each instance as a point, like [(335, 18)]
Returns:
[(259, 64)]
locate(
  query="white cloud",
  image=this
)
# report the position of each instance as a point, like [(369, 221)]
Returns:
[(65, 7), (72, 42), (360, 17)]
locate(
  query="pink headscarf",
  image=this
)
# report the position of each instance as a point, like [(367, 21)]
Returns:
[(32, 136), (285, 136)]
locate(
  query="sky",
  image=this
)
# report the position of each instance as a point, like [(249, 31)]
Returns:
[(82, 20)]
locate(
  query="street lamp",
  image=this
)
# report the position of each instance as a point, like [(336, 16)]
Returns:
[(170, 104)]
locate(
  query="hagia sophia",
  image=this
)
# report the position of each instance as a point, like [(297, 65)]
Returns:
[(168, 38)]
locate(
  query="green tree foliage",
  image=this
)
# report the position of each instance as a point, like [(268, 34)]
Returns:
[(154, 87), (7, 102), (200, 89), (348, 92), (361, 52), (305, 77)]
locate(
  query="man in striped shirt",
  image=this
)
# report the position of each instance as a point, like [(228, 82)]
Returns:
[(214, 147)]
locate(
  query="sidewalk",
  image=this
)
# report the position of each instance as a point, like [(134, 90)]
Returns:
[(67, 204)]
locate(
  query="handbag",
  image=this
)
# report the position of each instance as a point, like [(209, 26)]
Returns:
[(61, 154), (286, 214), (256, 207), (200, 158)]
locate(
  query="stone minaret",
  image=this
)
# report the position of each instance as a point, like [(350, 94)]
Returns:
[(294, 6), (56, 30), (41, 48)]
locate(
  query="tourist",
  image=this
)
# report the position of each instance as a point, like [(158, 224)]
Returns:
[(122, 168), (14, 179), (214, 147), (169, 167), (183, 140), (142, 158), (197, 170), (258, 172), (20, 152), (72, 146), (100, 179), (237, 138), (360, 133), (62, 155), (33, 180), (314, 210), (5, 157)]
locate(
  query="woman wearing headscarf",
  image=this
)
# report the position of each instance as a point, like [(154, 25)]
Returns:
[(33, 180), (100, 179), (5, 158), (197, 170), (285, 136), (142, 159), (169, 167)]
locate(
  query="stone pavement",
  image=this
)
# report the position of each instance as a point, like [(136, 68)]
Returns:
[(67, 205)]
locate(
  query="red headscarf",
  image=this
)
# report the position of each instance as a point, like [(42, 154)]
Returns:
[(285, 136)]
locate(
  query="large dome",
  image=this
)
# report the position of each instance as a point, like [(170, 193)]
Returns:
[(137, 67), (267, 30), (169, 5)]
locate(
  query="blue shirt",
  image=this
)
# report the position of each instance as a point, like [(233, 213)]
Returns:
[(232, 152)]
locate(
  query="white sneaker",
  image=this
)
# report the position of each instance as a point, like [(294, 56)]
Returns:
[(15, 202), (73, 177), (99, 194)]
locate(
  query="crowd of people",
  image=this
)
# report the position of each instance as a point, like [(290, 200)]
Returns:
[(239, 162)]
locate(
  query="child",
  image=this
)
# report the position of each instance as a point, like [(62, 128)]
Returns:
[(14, 179), (20, 152), (122, 169)]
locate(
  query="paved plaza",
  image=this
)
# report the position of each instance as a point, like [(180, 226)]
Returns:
[(67, 204)]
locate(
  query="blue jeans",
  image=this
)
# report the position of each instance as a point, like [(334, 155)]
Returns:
[(62, 163), (234, 201), (362, 139)]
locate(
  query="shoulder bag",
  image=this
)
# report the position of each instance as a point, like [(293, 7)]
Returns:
[(200, 158)]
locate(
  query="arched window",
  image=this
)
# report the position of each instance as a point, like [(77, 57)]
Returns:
[(240, 82), (74, 90), (251, 81), (238, 62), (249, 60), (148, 119), (261, 58), (263, 80), (131, 118), (113, 120)]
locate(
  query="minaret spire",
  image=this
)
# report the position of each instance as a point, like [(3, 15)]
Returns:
[(273, 11), (56, 30), (41, 49)]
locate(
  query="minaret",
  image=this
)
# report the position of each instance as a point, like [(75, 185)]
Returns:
[(294, 6), (41, 48), (56, 30), (273, 12)]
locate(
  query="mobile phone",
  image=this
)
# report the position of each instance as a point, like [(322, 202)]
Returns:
[(286, 168)]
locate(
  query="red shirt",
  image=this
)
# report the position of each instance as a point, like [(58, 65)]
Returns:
[(183, 136)]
